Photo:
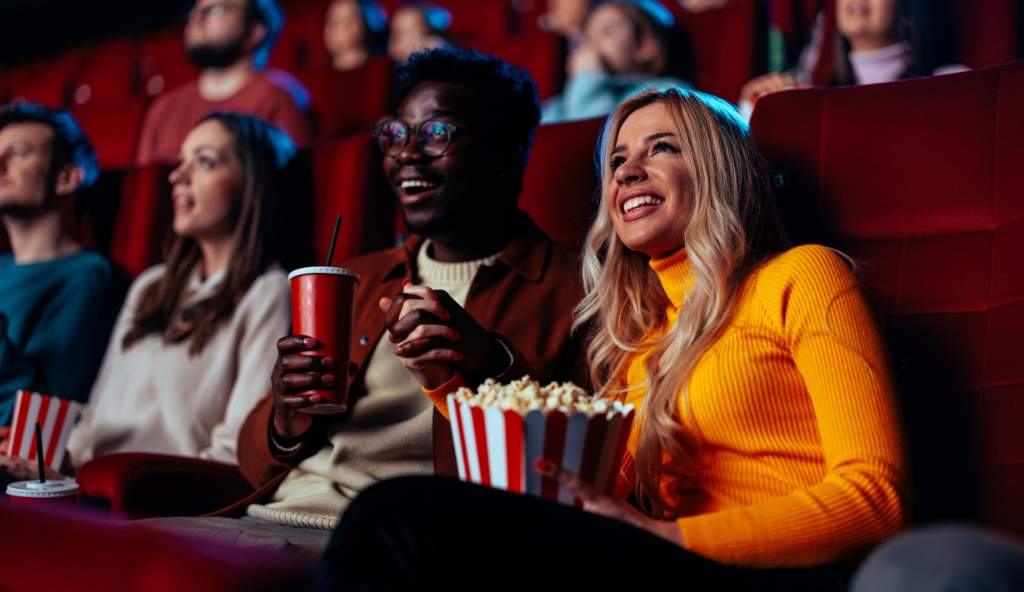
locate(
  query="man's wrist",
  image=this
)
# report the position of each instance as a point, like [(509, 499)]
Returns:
[(503, 352)]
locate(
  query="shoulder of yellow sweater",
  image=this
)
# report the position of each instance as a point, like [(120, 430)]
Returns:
[(805, 262), (806, 269)]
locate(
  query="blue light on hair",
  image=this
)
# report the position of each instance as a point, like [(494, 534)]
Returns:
[(270, 14), (66, 132)]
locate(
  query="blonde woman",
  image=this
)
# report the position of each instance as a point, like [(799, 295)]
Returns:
[(768, 449)]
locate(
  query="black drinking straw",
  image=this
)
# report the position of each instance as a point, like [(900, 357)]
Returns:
[(334, 239), (39, 453)]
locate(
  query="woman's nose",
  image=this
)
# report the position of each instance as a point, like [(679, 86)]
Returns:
[(629, 172)]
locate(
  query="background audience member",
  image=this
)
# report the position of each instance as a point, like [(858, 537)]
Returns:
[(230, 42), (878, 41), (188, 357), (57, 301), (625, 49), (565, 18), (417, 26), (354, 31)]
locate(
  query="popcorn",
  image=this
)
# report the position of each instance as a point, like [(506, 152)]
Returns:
[(525, 395), (500, 430)]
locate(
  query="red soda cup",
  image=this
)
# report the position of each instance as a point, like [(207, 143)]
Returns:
[(323, 304)]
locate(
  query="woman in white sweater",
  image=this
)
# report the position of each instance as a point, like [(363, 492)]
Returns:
[(193, 346)]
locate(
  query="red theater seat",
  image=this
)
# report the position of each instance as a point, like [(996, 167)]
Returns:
[(727, 45), (163, 63), (113, 128), (68, 549), (987, 32), (559, 190), (542, 54), (920, 180), (346, 102), (143, 220), (45, 82), (109, 73), (142, 485), (348, 181)]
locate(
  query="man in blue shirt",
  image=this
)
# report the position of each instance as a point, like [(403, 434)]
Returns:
[(57, 301)]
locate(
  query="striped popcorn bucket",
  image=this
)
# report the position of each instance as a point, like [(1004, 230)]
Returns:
[(498, 447), (56, 416)]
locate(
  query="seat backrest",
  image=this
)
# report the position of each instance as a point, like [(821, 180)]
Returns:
[(347, 102), (143, 219), (348, 181), (727, 45), (921, 181), (68, 549), (113, 127), (559, 189)]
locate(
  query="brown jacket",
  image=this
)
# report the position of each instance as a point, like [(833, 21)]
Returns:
[(527, 297)]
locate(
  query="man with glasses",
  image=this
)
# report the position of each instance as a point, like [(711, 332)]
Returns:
[(230, 42), (477, 290)]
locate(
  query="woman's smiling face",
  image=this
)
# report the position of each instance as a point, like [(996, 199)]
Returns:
[(650, 191)]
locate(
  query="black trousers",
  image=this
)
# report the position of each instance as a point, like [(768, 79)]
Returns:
[(411, 532)]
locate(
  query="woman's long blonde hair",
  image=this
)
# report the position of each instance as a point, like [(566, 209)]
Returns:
[(734, 227)]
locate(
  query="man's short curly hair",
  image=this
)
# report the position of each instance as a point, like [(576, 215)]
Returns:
[(508, 92)]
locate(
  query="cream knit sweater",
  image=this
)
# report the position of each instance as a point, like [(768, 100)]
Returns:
[(387, 434), (155, 397)]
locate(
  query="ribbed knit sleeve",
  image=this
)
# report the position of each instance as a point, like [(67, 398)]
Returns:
[(810, 301)]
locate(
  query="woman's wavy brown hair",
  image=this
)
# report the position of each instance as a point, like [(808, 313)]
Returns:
[(262, 151)]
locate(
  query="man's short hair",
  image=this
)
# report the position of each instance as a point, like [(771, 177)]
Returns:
[(508, 92), (70, 146), (270, 15)]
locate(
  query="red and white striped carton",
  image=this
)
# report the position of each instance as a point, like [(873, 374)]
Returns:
[(56, 416), (498, 448)]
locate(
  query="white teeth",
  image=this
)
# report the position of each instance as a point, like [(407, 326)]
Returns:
[(410, 183), (643, 200)]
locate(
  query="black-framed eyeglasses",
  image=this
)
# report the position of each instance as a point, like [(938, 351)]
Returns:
[(434, 136)]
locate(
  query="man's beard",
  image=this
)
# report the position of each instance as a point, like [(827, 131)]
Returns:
[(214, 56), (20, 211)]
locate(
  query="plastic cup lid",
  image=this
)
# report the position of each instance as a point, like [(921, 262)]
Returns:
[(47, 489), (324, 270)]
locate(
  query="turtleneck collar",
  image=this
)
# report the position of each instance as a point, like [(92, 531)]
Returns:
[(885, 64), (675, 273)]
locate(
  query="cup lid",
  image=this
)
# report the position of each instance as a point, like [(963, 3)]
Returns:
[(324, 270), (48, 488)]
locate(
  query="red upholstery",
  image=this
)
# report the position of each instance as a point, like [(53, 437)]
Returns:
[(140, 485), (109, 73), (346, 102), (113, 127), (67, 549), (348, 181), (987, 32), (300, 44), (163, 63), (727, 45), (542, 54), (921, 181), (144, 219), (559, 191), (45, 82)]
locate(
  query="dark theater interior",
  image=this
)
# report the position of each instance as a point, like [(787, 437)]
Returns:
[(262, 264)]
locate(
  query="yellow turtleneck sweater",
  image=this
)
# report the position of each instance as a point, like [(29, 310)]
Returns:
[(801, 458), (801, 451)]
